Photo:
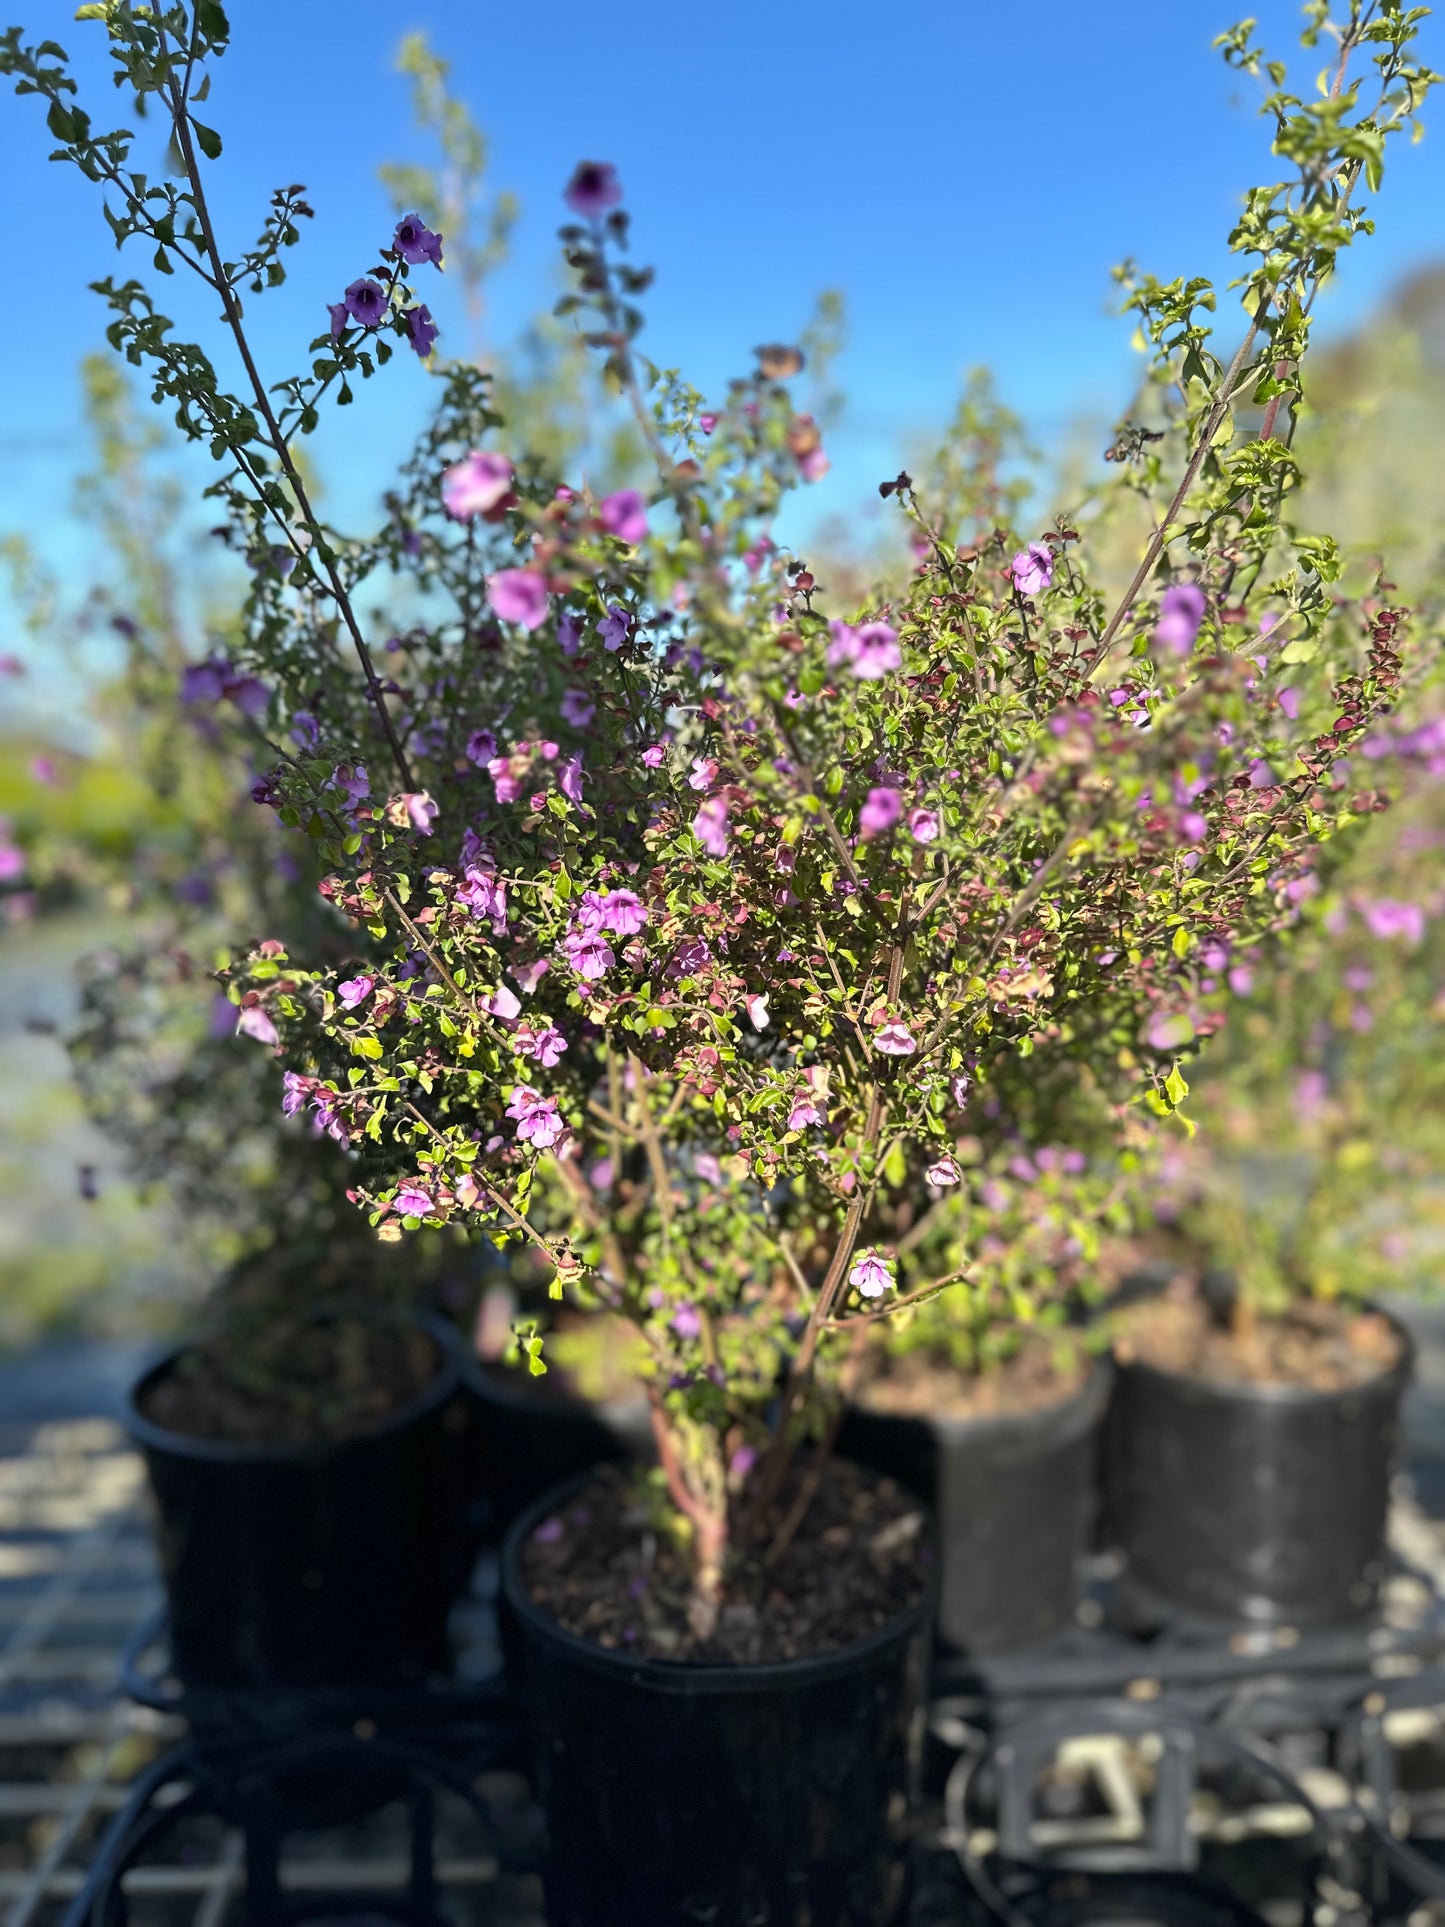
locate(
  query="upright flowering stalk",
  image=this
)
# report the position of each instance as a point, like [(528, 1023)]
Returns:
[(813, 919)]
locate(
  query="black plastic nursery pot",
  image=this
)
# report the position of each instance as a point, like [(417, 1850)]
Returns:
[(523, 1439), (311, 1565), (1254, 1502), (728, 1794), (1013, 1500)]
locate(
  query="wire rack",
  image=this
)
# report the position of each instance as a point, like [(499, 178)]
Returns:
[(78, 1577)]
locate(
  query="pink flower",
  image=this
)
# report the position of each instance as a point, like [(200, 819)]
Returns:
[(757, 1008), (870, 652), (476, 484), (871, 1275), (518, 595), (880, 812), (1261, 776), (624, 515), (485, 895), (295, 1089), (354, 991), (411, 1201), (421, 810), (895, 1040), (253, 1022), (577, 708), (569, 779), (944, 1172), (529, 975), (814, 465), (806, 1111), (1033, 569), (623, 913), (589, 953), (924, 825), (508, 786), (593, 189), (1241, 980), (1289, 702), (1386, 919), (655, 755), (707, 1167), (545, 1045), (537, 1119), (710, 827), (502, 1002), (704, 773), (1181, 610)]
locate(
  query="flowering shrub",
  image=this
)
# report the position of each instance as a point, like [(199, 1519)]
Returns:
[(693, 923), (1322, 1118)]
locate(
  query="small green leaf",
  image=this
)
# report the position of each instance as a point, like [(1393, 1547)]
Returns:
[(208, 140)]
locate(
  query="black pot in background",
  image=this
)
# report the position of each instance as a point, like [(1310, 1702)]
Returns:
[(523, 1439), (728, 1794), (336, 1562), (1013, 1499), (1256, 1503)]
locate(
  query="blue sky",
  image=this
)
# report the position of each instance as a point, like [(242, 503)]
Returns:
[(966, 174)]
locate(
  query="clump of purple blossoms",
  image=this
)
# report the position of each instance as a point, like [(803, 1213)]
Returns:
[(415, 242), (869, 652), (1033, 569), (537, 1118)]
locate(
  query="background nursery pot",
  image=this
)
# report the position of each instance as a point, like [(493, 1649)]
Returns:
[(730, 1794), (1013, 1499), (1255, 1501), (317, 1563)]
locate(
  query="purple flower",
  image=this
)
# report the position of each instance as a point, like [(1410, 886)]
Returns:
[(704, 773), (253, 1022), (365, 303), (691, 956), (870, 652), (757, 1009), (624, 515), (814, 465), (707, 1167), (881, 810), (352, 780), (569, 634), (623, 912), (655, 755), (1261, 776), (1181, 610), (924, 825), (339, 318), (354, 991), (1033, 568), (1288, 700), (615, 627), (411, 1201), (204, 682), (537, 1120), (710, 826), (502, 1002), (569, 779), (421, 810), (485, 895), (545, 1045), (519, 595), (295, 1090), (421, 330), (305, 730), (476, 484), (593, 189), (481, 747), (589, 953), (686, 1321), (577, 708), (416, 243), (895, 1040), (508, 787), (943, 1173), (806, 1111), (1387, 918), (871, 1275), (1168, 1030)]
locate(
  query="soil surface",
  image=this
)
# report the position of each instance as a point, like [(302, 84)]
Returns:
[(920, 1385), (1319, 1346), (299, 1384), (860, 1558)]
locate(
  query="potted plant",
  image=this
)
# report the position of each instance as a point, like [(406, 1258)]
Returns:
[(665, 874), (996, 1424), (1259, 1402)]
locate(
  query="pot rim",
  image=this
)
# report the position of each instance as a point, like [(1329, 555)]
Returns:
[(684, 1677), (1080, 1408), (1388, 1384), (150, 1436)]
